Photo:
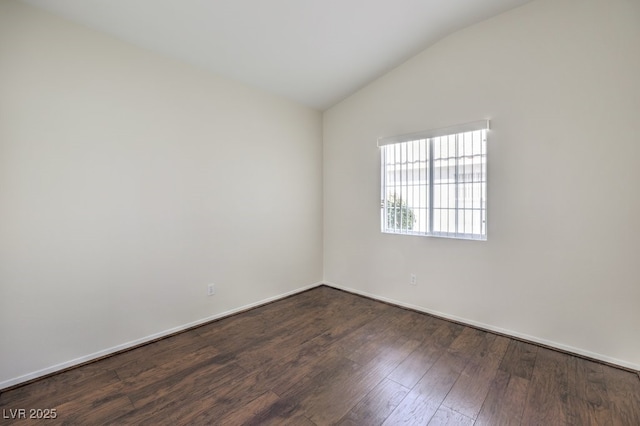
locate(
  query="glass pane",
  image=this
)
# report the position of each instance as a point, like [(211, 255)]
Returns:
[(458, 190), (437, 221), (477, 195), (477, 224)]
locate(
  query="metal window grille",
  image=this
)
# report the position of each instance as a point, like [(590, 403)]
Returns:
[(434, 183)]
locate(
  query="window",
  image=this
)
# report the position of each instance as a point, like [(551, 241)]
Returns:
[(435, 182)]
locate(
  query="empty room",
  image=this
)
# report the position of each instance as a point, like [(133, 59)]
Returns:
[(320, 212)]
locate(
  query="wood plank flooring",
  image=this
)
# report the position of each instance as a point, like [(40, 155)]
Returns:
[(327, 357)]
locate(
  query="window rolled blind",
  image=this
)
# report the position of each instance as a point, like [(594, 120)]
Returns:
[(434, 133)]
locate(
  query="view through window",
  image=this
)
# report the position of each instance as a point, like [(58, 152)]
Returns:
[(435, 182)]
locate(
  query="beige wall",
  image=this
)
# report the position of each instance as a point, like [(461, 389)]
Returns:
[(128, 182), (560, 81)]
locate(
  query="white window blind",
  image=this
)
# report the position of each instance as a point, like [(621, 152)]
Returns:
[(435, 182)]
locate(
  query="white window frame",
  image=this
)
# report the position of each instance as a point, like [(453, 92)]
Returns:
[(413, 167)]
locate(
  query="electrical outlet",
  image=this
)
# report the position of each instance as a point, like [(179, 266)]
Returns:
[(413, 279), (211, 289)]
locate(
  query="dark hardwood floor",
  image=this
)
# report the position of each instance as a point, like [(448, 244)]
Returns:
[(329, 357)]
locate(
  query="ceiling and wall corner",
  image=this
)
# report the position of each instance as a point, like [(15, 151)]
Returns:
[(313, 52)]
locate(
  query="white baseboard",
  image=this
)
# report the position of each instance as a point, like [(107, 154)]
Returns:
[(96, 355), (515, 334)]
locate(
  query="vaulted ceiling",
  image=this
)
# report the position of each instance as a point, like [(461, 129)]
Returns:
[(315, 52)]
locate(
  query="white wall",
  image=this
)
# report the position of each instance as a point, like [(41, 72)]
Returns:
[(560, 81), (128, 182)]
